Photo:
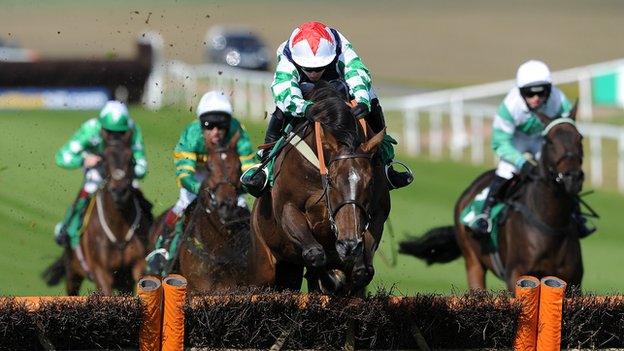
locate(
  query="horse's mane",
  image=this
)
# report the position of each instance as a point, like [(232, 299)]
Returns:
[(331, 110)]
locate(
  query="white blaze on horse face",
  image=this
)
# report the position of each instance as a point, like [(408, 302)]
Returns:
[(118, 174), (354, 178), (223, 156)]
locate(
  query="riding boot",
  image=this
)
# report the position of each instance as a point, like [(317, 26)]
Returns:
[(67, 231), (398, 179), (274, 129), (146, 206), (158, 258), (482, 224), (581, 221), (254, 181)]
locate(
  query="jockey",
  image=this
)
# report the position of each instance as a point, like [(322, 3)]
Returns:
[(516, 133), (316, 52), (214, 121), (83, 150)]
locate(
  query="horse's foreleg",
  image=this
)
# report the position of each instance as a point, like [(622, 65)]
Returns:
[(103, 280), (295, 225), (363, 270), (475, 272), (73, 280)]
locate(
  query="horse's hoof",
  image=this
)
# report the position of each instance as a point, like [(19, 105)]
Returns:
[(332, 282), (362, 276), (314, 257)]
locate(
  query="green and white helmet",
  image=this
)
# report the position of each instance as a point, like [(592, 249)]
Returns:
[(115, 117)]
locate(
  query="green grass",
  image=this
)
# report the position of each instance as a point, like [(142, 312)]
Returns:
[(34, 194)]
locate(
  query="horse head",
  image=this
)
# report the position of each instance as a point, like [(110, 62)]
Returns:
[(119, 165), (348, 185), (562, 152), (220, 187)]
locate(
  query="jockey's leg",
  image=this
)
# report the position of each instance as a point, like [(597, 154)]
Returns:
[(274, 131), (580, 220), (157, 259), (376, 121), (68, 231), (504, 172), (254, 181), (146, 206)]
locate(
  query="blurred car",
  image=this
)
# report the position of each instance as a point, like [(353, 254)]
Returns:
[(10, 52), (236, 47)]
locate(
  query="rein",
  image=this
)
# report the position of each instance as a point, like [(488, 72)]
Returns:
[(326, 181), (109, 233)]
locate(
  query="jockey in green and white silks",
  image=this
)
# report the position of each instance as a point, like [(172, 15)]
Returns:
[(214, 116), (517, 131), (316, 52), (84, 150)]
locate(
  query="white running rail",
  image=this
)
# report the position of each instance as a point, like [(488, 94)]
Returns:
[(458, 119)]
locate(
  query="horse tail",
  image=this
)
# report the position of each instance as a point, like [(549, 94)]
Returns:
[(437, 245), (55, 272)]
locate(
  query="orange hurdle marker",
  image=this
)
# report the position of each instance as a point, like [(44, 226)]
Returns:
[(552, 293), (528, 293), (149, 289), (173, 320)]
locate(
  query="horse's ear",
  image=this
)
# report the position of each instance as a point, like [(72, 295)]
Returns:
[(234, 140), (574, 110), (372, 143)]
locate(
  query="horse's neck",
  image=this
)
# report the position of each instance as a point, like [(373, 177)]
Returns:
[(117, 218), (551, 205)]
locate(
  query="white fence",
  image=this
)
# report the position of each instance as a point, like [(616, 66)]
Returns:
[(248, 90), (458, 119), (470, 104)]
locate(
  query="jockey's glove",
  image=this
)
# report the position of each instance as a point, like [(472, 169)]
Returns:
[(360, 110), (527, 169)]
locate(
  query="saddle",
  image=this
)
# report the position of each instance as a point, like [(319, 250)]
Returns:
[(511, 190)]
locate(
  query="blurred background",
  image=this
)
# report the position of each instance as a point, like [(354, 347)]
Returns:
[(441, 68)]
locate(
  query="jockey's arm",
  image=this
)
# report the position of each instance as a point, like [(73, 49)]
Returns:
[(285, 88), (185, 161), (502, 137), (71, 154), (356, 73), (244, 148), (138, 151)]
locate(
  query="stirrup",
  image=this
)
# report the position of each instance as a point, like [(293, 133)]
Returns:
[(487, 219), (162, 251), (389, 165), (247, 176)]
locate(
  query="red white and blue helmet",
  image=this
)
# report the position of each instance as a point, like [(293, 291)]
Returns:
[(312, 45)]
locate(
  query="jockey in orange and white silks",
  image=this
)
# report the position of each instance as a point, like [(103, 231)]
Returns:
[(316, 52)]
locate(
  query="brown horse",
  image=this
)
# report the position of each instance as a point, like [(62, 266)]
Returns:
[(538, 236), (217, 250), (330, 224), (112, 247)]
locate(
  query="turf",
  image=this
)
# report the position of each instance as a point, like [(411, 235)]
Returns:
[(34, 195)]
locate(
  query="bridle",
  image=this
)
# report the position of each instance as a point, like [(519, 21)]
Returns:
[(224, 181), (552, 173), (327, 186)]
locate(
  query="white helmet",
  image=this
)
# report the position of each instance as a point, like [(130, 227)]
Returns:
[(533, 72), (214, 101), (312, 45)]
